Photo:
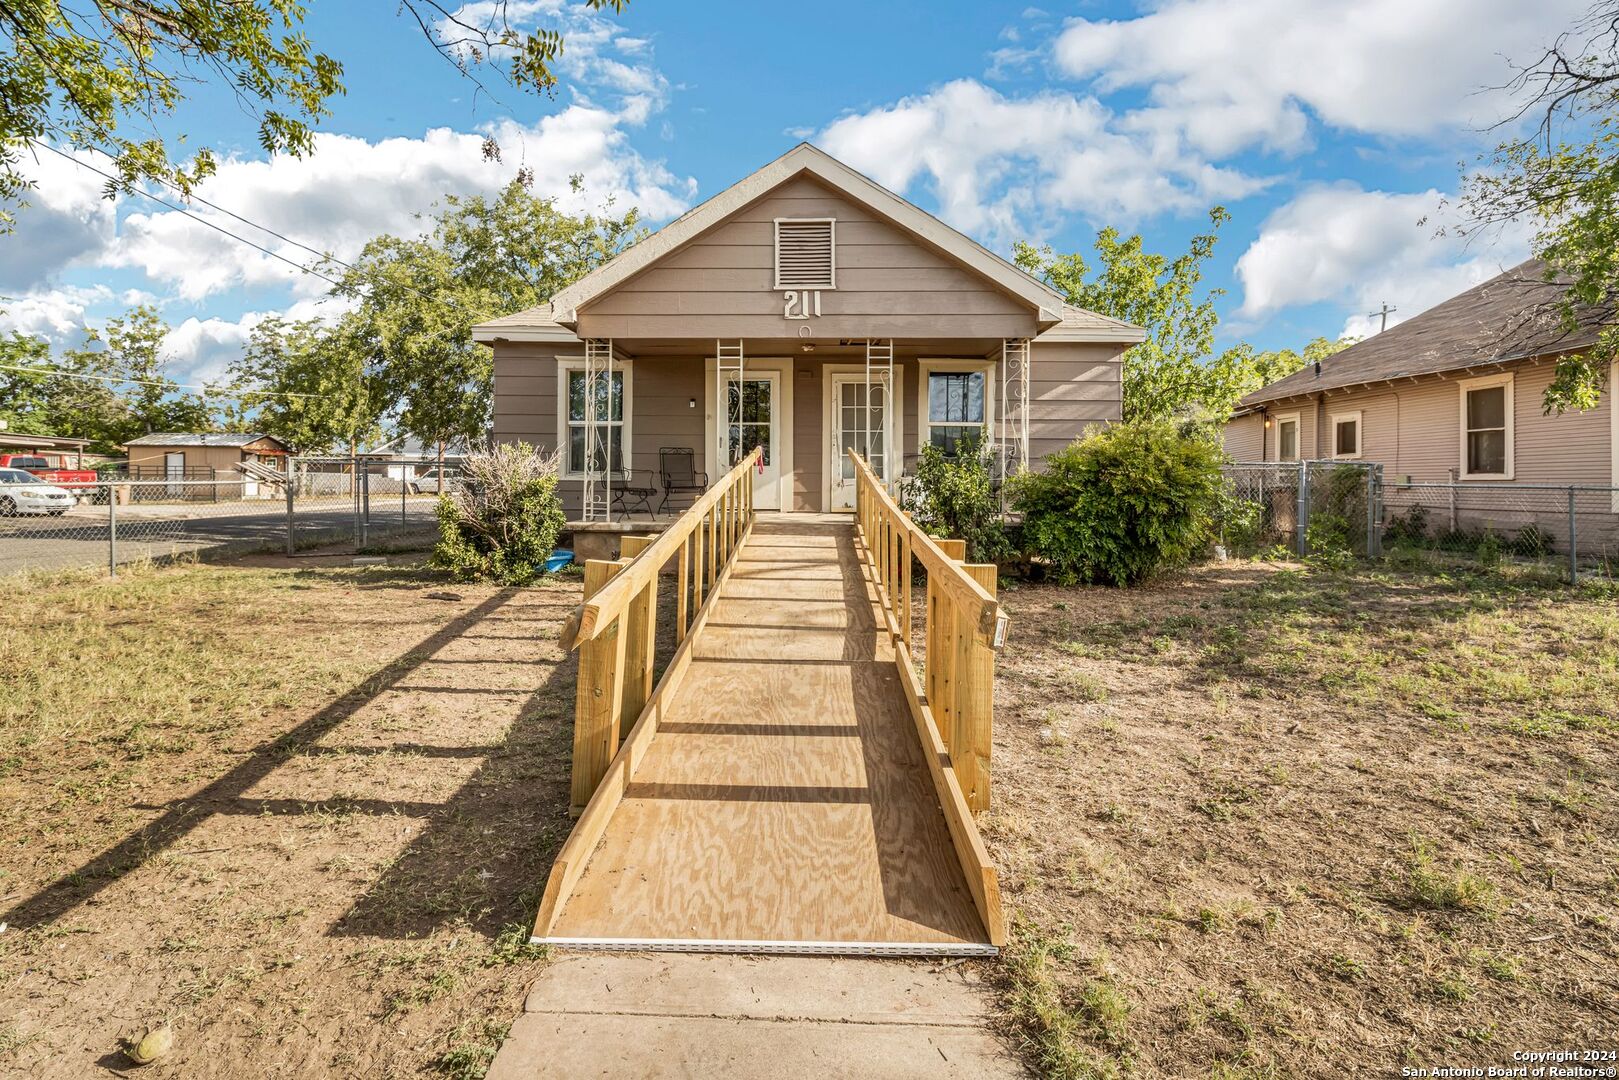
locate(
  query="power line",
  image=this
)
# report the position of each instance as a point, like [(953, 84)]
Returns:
[(154, 382), (247, 221)]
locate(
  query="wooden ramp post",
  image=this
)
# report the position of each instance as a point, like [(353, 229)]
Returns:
[(599, 699)]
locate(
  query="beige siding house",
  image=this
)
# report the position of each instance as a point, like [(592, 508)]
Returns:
[(767, 315), (201, 455), (1453, 394)]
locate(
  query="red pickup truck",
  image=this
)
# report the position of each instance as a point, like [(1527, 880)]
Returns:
[(50, 472)]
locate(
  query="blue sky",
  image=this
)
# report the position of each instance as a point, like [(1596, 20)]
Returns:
[(1331, 131)]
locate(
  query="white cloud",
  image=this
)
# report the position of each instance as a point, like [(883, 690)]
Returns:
[(350, 190), (66, 220), (57, 314), (1342, 244), (996, 163), (1230, 74)]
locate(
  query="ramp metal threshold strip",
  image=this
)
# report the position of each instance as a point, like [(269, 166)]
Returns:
[(783, 802)]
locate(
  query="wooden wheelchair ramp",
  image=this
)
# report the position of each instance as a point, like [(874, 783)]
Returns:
[(784, 801)]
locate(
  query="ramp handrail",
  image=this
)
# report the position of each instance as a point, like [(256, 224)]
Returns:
[(615, 627), (963, 626)]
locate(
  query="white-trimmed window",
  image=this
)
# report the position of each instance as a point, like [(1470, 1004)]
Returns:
[(1346, 429), (957, 403), (1486, 408), (1287, 437), (806, 253), (613, 414)]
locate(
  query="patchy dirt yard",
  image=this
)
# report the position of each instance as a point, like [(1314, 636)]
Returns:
[(302, 811), (1264, 821)]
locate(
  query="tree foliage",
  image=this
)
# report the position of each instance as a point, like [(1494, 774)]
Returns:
[(417, 299), (1562, 178), (309, 385), (86, 75), (1175, 372)]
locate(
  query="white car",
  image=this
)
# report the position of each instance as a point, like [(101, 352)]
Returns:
[(24, 493)]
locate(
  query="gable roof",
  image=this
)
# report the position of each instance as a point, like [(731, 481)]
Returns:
[(1509, 317), (553, 320), (200, 438)]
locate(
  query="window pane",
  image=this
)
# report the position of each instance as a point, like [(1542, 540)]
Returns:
[(576, 396), (1287, 441), (953, 439), (1348, 436), (576, 448), (1487, 408), (956, 397), (1487, 451)]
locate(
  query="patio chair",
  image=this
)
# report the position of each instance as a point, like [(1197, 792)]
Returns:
[(630, 492), (676, 466)]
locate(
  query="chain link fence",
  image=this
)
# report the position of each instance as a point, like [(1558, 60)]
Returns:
[(1335, 506), (124, 518)]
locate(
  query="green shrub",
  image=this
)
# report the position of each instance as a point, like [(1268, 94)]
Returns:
[(502, 522), (1241, 521), (954, 497), (1122, 502), (1410, 527), (1532, 542)]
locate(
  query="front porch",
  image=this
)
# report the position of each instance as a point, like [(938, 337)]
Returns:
[(679, 412)]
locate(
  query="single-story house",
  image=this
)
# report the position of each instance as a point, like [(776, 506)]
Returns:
[(1451, 394), (202, 455), (787, 312)]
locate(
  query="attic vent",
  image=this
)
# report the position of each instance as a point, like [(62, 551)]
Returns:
[(804, 253)]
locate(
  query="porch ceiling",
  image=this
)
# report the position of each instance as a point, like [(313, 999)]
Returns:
[(680, 348)]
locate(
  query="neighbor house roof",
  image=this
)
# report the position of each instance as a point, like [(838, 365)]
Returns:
[(196, 438), (1509, 317), (552, 320), (42, 442)]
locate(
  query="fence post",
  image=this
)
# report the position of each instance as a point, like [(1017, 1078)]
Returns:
[(112, 531), (354, 489), (1573, 542), (402, 483), (291, 467), (1371, 510), (1303, 512)]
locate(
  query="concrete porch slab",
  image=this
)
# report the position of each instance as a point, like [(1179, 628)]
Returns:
[(740, 1016)]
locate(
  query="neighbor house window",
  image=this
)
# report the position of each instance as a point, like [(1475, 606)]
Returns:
[(612, 410), (1287, 437), (1346, 435), (804, 253), (956, 405), (1486, 407)]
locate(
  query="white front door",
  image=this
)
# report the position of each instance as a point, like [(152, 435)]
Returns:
[(757, 401), (856, 427)]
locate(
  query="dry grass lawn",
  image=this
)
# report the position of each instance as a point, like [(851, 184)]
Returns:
[(303, 812), (1266, 821), (1261, 821)]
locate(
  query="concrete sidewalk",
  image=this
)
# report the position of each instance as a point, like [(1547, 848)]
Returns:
[(675, 1015)]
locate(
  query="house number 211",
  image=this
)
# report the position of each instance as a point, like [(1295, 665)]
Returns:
[(801, 305)]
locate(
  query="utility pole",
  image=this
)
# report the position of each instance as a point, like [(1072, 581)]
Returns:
[(1385, 312)]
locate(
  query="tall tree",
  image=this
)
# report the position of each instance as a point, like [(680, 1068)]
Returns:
[(312, 386), (25, 395), (83, 75), (1562, 177), (1174, 373), (132, 358), (417, 299)]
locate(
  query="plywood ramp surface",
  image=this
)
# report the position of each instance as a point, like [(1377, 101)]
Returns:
[(785, 797)]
